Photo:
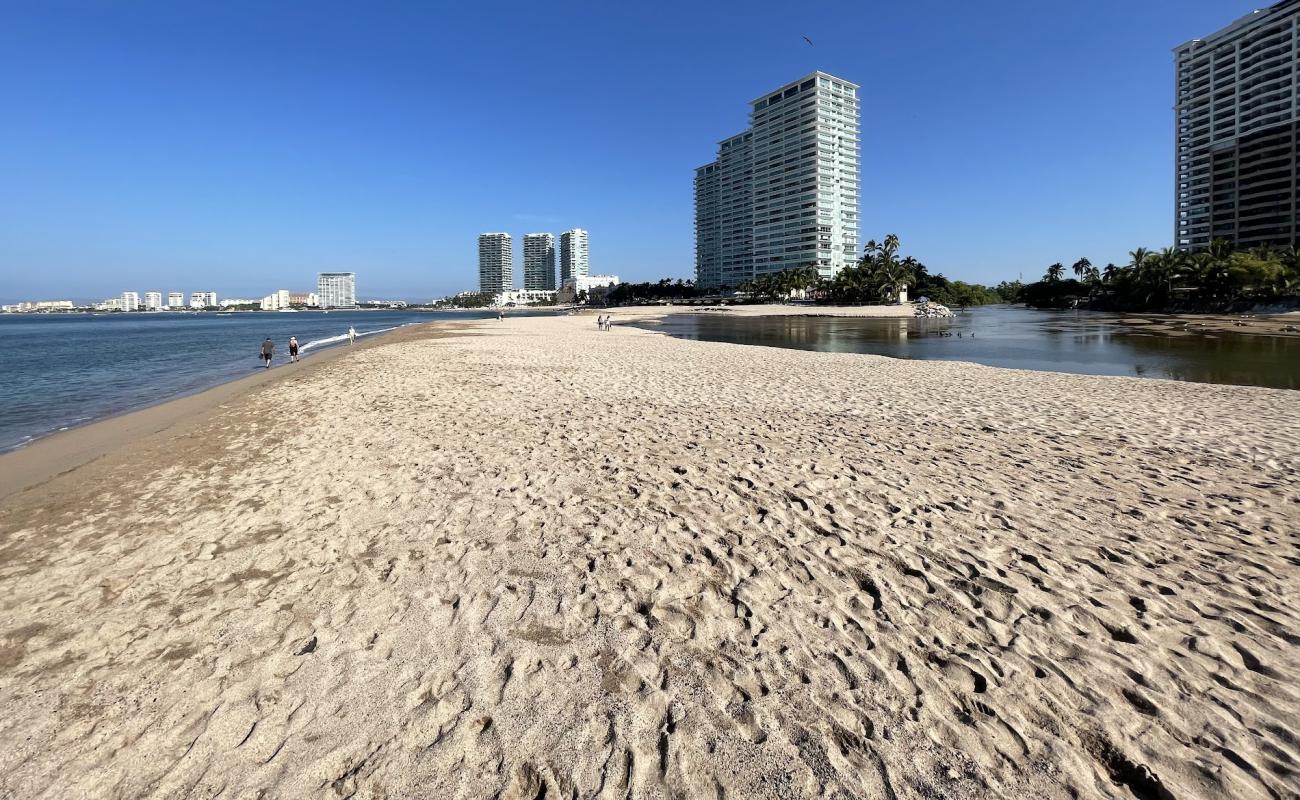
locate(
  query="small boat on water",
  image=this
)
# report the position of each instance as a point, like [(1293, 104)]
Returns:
[(288, 311)]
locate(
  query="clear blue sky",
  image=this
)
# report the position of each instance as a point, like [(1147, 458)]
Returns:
[(243, 146)]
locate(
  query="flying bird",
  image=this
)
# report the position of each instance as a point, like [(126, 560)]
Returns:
[(809, 41)]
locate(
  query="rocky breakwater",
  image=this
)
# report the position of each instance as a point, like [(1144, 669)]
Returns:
[(930, 310)]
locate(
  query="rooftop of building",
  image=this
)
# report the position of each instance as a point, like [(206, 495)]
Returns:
[(820, 74), (1241, 25)]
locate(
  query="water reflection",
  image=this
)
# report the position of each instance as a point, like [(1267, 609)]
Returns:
[(1005, 336)]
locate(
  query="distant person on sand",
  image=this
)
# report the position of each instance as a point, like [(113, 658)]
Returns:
[(293, 348), (352, 335), (268, 349), (600, 322)]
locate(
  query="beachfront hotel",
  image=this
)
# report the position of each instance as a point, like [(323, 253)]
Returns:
[(784, 192), (337, 289), (176, 299), (539, 261), (573, 255), (495, 264), (1236, 132)]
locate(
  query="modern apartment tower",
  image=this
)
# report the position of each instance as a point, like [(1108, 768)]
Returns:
[(573, 255), (539, 261), (495, 263), (337, 289), (1236, 130), (784, 193)]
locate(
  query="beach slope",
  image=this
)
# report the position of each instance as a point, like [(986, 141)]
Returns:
[(540, 560)]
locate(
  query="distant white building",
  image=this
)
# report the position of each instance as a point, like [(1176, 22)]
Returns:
[(111, 304), (153, 301), (276, 300), (129, 301), (203, 299), (39, 305), (523, 297), (591, 284), (574, 256), (337, 289), (239, 301), (176, 299)]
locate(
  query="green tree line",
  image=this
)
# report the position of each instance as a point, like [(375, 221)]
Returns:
[(879, 276), (1214, 278)]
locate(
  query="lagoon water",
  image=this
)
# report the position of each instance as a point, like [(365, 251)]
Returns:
[(62, 370), (1011, 336)]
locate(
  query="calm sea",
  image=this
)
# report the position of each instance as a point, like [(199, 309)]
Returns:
[(62, 370), (1011, 336)]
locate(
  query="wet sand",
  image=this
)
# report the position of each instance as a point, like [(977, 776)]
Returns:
[(1286, 325), (543, 559)]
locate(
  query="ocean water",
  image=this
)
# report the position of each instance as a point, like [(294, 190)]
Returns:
[(1083, 342), (58, 371)]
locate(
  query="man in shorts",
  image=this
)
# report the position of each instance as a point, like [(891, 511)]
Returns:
[(293, 349), (268, 349)]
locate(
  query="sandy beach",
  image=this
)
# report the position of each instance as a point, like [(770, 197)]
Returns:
[(527, 559)]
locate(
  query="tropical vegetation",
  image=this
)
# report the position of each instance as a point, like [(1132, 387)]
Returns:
[(881, 275), (1217, 277)]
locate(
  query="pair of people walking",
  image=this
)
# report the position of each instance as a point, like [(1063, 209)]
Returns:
[(268, 350), (604, 323)]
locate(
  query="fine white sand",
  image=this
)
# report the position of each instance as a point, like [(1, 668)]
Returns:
[(543, 560)]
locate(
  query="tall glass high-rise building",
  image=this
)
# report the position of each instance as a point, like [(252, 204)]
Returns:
[(784, 193), (573, 255), (1236, 131), (496, 270), (337, 289), (539, 261)]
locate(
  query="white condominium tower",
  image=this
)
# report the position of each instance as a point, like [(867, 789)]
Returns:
[(784, 193), (573, 255), (496, 272), (130, 301), (337, 289), (153, 301), (539, 261), (1237, 132), (176, 299)]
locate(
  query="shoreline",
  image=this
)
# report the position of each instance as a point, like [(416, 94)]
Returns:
[(55, 454)]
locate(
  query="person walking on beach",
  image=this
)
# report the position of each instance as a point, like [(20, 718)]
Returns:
[(268, 349), (352, 335), (293, 349), (600, 322)]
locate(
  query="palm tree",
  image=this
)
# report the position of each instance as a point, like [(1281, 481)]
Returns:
[(1138, 258), (1081, 267), (1109, 273), (1172, 264), (1054, 272), (892, 278)]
